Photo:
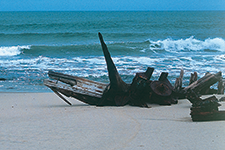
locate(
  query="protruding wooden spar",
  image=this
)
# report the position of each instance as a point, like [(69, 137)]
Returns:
[(57, 93), (114, 77), (116, 92)]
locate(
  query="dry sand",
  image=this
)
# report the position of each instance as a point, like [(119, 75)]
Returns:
[(43, 121)]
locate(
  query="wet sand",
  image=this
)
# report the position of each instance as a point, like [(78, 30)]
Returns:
[(44, 121)]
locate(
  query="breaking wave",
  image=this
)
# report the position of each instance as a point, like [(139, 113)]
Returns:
[(119, 48), (12, 50), (189, 44)]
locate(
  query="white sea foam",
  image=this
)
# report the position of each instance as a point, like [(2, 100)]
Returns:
[(85, 66), (220, 57), (96, 67), (12, 50), (91, 60), (189, 44)]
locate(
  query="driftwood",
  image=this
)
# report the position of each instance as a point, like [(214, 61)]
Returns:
[(142, 90)]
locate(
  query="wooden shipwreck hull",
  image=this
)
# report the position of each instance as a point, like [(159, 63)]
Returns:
[(142, 90), (85, 90), (117, 93)]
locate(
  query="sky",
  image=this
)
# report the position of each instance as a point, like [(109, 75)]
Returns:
[(110, 5)]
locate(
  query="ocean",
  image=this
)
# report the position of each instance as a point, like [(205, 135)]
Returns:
[(32, 43)]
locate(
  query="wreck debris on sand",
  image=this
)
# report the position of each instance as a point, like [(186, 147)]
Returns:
[(141, 91), (118, 93)]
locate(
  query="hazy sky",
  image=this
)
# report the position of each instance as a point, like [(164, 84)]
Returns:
[(109, 5)]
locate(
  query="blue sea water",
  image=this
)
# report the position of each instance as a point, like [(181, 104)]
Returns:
[(32, 43)]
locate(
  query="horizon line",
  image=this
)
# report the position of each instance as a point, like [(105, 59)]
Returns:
[(105, 10)]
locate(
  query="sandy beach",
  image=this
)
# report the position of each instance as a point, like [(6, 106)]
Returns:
[(44, 121)]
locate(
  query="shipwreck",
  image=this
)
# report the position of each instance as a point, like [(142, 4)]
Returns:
[(142, 91)]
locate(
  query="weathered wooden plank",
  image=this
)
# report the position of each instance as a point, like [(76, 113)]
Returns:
[(207, 110), (79, 83), (163, 76), (178, 83), (84, 91), (209, 116), (91, 96), (203, 83), (72, 80), (147, 74), (57, 93), (220, 87), (193, 78)]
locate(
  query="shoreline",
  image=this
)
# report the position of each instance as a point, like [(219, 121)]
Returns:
[(44, 121)]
